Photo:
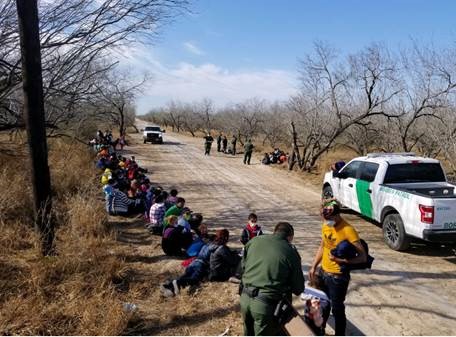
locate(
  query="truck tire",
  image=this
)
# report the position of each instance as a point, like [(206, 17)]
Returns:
[(327, 192), (145, 141), (394, 233)]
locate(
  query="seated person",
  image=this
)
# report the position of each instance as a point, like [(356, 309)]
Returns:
[(223, 261), (183, 220), (174, 210), (157, 215), (174, 241), (198, 269), (172, 199), (133, 191), (266, 160), (117, 203), (195, 221)]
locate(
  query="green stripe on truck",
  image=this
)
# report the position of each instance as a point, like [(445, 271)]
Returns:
[(364, 198)]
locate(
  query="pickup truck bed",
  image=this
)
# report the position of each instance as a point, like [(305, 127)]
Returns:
[(434, 190)]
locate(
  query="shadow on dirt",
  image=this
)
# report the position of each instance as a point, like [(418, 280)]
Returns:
[(150, 326), (417, 246), (173, 143)]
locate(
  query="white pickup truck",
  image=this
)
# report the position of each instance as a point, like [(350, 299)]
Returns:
[(407, 194), (153, 134)]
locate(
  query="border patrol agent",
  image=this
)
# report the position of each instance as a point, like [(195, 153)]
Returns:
[(271, 270)]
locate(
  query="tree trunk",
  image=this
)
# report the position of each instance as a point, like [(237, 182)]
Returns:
[(295, 155), (32, 83)]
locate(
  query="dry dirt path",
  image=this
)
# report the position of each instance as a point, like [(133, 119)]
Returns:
[(411, 293)]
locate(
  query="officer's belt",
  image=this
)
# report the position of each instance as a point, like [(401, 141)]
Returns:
[(255, 293)]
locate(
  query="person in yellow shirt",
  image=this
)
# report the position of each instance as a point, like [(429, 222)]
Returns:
[(335, 282)]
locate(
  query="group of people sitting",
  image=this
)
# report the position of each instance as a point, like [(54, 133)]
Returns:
[(275, 157), (106, 140), (208, 257), (128, 191), (125, 185)]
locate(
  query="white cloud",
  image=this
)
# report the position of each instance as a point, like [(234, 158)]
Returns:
[(189, 82), (192, 48)]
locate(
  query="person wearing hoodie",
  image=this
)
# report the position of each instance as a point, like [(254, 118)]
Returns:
[(198, 269), (251, 230)]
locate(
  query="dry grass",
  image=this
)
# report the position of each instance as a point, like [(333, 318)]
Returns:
[(100, 265), (209, 309), (76, 292)]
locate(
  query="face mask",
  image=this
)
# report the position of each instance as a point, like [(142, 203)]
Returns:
[(330, 223)]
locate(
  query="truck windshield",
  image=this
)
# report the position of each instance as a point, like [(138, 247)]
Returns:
[(414, 173), (152, 128)]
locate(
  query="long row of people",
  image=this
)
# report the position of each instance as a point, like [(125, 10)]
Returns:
[(129, 192)]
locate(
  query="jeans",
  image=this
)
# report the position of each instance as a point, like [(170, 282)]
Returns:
[(336, 289), (194, 273)]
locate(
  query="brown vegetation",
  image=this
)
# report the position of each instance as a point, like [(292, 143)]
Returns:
[(72, 293)]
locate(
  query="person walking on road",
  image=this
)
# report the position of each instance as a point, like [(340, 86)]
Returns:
[(248, 149), (233, 145), (271, 271), (335, 282), (219, 142), (208, 144), (225, 144)]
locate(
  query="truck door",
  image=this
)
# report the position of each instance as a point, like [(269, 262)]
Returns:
[(365, 192), (347, 186)]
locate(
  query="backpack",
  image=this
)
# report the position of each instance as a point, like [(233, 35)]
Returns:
[(346, 250)]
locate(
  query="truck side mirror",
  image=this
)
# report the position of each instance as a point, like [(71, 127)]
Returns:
[(341, 175), (164, 131)]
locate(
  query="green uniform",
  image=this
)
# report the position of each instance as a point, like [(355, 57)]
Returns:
[(207, 144), (273, 266), (248, 148)]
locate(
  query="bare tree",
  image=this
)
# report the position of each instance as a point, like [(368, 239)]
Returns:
[(75, 36), (337, 96), (429, 75)]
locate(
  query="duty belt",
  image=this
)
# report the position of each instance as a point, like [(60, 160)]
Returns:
[(255, 293)]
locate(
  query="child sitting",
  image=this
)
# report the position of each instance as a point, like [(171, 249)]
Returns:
[(174, 241), (251, 230)]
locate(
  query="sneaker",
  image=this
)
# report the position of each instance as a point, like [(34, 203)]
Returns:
[(233, 279), (176, 287), (167, 289)]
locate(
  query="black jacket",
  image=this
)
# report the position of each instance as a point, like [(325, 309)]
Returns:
[(222, 264)]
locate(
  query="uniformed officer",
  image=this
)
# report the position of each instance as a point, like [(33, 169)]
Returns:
[(208, 144), (248, 149), (271, 269), (233, 145)]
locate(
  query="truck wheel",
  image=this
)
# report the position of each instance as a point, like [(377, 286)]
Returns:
[(327, 192), (394, 233)]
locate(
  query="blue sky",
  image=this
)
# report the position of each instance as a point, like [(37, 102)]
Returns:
[(232, 50)]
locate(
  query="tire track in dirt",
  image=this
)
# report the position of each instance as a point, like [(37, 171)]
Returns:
[(406, 293)]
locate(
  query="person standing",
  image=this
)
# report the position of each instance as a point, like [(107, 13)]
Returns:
[(335, 281), (219, 142), (208, 144), (225, 144), (271, 270), (248, 149), (233, 145)]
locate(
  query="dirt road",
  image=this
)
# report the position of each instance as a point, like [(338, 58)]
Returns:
[(411, 293)]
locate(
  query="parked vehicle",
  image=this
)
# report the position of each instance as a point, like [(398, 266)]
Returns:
[(153, 134), (407, 194)]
